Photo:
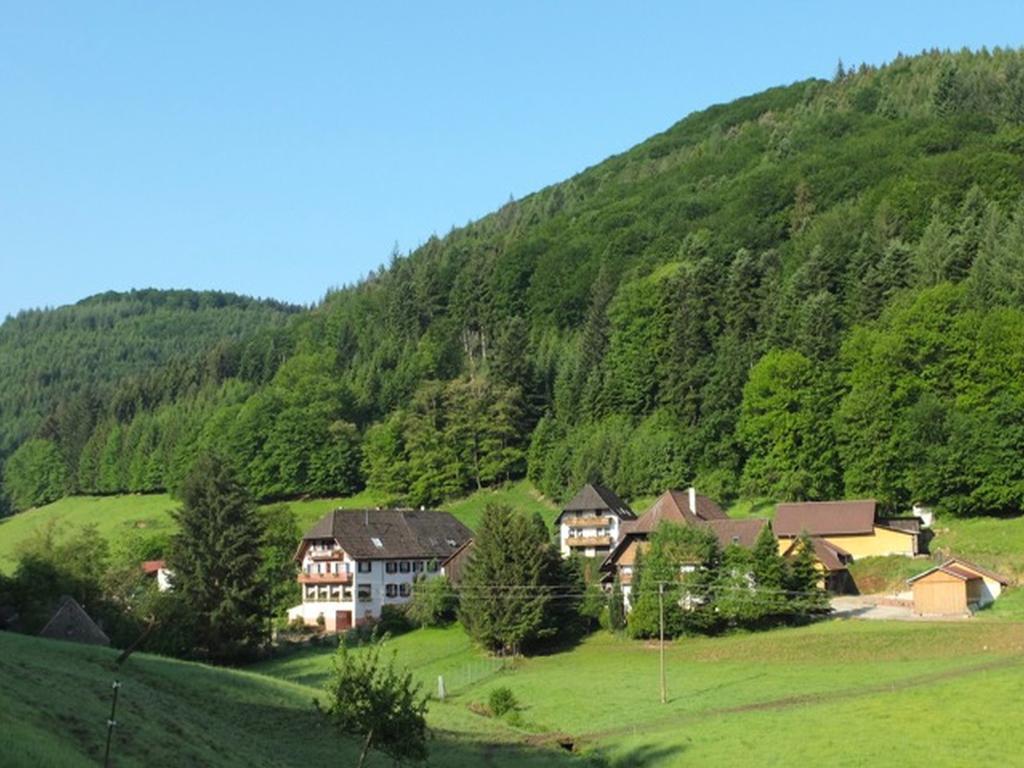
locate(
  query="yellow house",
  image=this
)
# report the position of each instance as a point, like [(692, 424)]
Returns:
[(851, 526)]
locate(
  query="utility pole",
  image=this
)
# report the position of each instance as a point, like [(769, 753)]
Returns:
[(111, 723), (661, 632)]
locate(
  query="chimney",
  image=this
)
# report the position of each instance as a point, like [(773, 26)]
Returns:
[(693, 499)]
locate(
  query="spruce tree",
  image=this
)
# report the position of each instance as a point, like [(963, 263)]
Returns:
[(769, 571), (215, 559), (515, 593), (807, 599)]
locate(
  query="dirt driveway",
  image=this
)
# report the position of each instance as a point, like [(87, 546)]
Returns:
[(871, 607)]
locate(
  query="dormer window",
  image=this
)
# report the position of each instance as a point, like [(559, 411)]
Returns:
[(377, 542)]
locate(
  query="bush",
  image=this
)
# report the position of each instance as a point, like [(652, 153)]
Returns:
[(502, 701), (394, 620)]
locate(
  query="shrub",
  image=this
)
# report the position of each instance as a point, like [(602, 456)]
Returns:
[(502, 700)]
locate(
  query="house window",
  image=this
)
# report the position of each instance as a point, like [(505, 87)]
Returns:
[(365, 593), (418, 566), (391, 590), (405, 589), (391, 566), (377, 542), (405, 566), (432, 566), (346, 593), (365, 566)]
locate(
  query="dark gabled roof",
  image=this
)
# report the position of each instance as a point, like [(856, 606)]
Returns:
[(401, 533), (594, 497), (901, 524), (743, 533), (825, 518), (963, 570), (71, 622)]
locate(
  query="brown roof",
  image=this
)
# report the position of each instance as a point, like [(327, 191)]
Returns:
[(150, 567), (963, 570), (831, 557), (379, 534), (594, 497), (71, 622), (674, 506), (825, 518), (455, 564), (727, 531), (741, 532)]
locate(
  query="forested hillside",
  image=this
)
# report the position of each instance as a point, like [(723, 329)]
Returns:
[(64, 370), (810, 292)]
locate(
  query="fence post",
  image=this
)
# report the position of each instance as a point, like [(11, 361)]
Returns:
[(111, 723)]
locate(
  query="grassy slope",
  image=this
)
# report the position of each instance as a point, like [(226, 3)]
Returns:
[(761, 692), (56, 698), (115, 515)]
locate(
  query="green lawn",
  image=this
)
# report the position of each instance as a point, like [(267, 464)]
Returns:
[(55, 701), (116, 515), (870, 693), (113, 515), (521, 495), (732, 694), (990, 541)]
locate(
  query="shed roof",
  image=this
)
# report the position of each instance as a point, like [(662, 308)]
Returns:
[(825, 518), (961, 569), (377, 534)]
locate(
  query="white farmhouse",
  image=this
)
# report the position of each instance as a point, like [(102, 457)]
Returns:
[(589, 524), (354, 562)]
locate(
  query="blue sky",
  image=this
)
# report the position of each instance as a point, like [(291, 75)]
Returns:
[(279, 149)]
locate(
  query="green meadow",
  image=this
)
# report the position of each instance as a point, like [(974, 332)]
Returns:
[(116, 516), (840, 693)]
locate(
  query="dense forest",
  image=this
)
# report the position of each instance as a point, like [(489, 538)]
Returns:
[(811, 292)]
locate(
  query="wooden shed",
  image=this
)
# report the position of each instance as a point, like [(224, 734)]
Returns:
[(956, 587)]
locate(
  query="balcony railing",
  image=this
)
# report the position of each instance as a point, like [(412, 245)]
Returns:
[(325, 578), (589, 541), (326, 554), (327, 599), (588, 522)]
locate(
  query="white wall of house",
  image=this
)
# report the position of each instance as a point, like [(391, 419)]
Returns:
[(369, 584), (163, 580), (609, 526)]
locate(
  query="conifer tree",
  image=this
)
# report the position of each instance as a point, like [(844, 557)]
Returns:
[(807, 599), (515, 590), (215, 561)]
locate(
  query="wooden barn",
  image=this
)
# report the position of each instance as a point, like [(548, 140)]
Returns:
[(956, 587)]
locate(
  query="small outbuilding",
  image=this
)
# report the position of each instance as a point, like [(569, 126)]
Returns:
[(71, 622), (955, 588)]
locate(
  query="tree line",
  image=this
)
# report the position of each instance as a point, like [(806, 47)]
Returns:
[(743, 302)]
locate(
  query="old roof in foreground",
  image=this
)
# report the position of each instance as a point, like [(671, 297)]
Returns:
[(825, 518), (71, 622), (375, 534)]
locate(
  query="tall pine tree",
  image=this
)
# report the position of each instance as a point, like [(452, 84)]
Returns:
[(216, 563)]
